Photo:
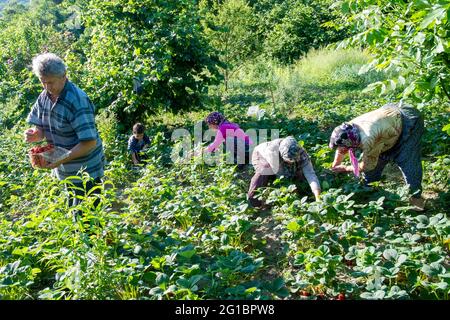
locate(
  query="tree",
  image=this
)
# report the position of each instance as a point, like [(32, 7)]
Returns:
[(25, 32), (410, 37), (292, 28), (147, 55), (231, 28)]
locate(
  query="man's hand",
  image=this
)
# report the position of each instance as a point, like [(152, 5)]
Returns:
[(33, 135), (54, 165)]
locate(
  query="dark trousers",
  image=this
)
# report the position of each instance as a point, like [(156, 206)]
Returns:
[(78, 189), (406, 153), (259, 180)]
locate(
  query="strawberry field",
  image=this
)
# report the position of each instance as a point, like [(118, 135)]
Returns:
[(185, 231), (173, 230)]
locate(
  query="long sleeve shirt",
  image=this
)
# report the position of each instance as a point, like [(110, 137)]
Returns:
[(379, 130), (227, 130), (267, 160)]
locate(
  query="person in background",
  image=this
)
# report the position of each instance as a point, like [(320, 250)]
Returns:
[(390, 133), (225, 130), (281, 157), (137, 143), (63, 115)]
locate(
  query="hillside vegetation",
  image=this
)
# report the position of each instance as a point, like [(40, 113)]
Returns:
[(184, 230)]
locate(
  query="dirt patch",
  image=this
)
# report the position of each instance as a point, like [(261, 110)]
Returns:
[(274, 248)]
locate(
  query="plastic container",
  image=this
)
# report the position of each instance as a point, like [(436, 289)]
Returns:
[(40, 157)]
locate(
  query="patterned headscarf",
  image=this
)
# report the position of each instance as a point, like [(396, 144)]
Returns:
[(215, 118), (347, 135), (289, 149)]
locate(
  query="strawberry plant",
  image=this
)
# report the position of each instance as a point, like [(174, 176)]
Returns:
[(184, 229)]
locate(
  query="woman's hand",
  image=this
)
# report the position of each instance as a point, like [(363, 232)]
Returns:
[(340, 154), (317, 196), (342, 168)]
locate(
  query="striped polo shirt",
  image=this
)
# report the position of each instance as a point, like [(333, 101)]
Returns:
[(67, 122)]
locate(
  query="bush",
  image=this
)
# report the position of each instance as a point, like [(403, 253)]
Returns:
[(24, 34), (292, 28), (146, 56), (109, 129)]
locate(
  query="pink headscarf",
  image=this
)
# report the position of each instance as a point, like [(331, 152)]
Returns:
[(354, 162)]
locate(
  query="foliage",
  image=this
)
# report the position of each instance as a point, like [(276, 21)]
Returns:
[(146, 56), (231, 28), (24, 34), (185, 230), (319, 74), (292, 28), (109, 129), (409, 37)]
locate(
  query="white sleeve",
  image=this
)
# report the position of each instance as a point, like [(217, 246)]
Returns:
[(310, 175)]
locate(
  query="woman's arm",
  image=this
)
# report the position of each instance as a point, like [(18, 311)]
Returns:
[(311, 177), (338, 158), (216, 143)]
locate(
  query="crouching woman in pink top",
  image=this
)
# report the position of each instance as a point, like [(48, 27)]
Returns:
[(225, 130)]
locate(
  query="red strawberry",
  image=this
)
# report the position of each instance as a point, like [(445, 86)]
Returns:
[(349, 263), (341, 296), (305, 293), (37, 161)]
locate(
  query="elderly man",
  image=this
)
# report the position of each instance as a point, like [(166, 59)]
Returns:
[(390, 133), (63, 115), (281, 157)]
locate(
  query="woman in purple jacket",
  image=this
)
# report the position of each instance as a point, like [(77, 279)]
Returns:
[(225, 129)]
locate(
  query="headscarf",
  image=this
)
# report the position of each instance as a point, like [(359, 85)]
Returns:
[(215, 118), (347, 135), (289, 149)]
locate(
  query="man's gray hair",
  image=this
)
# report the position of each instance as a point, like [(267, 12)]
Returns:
[(48, 64)]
